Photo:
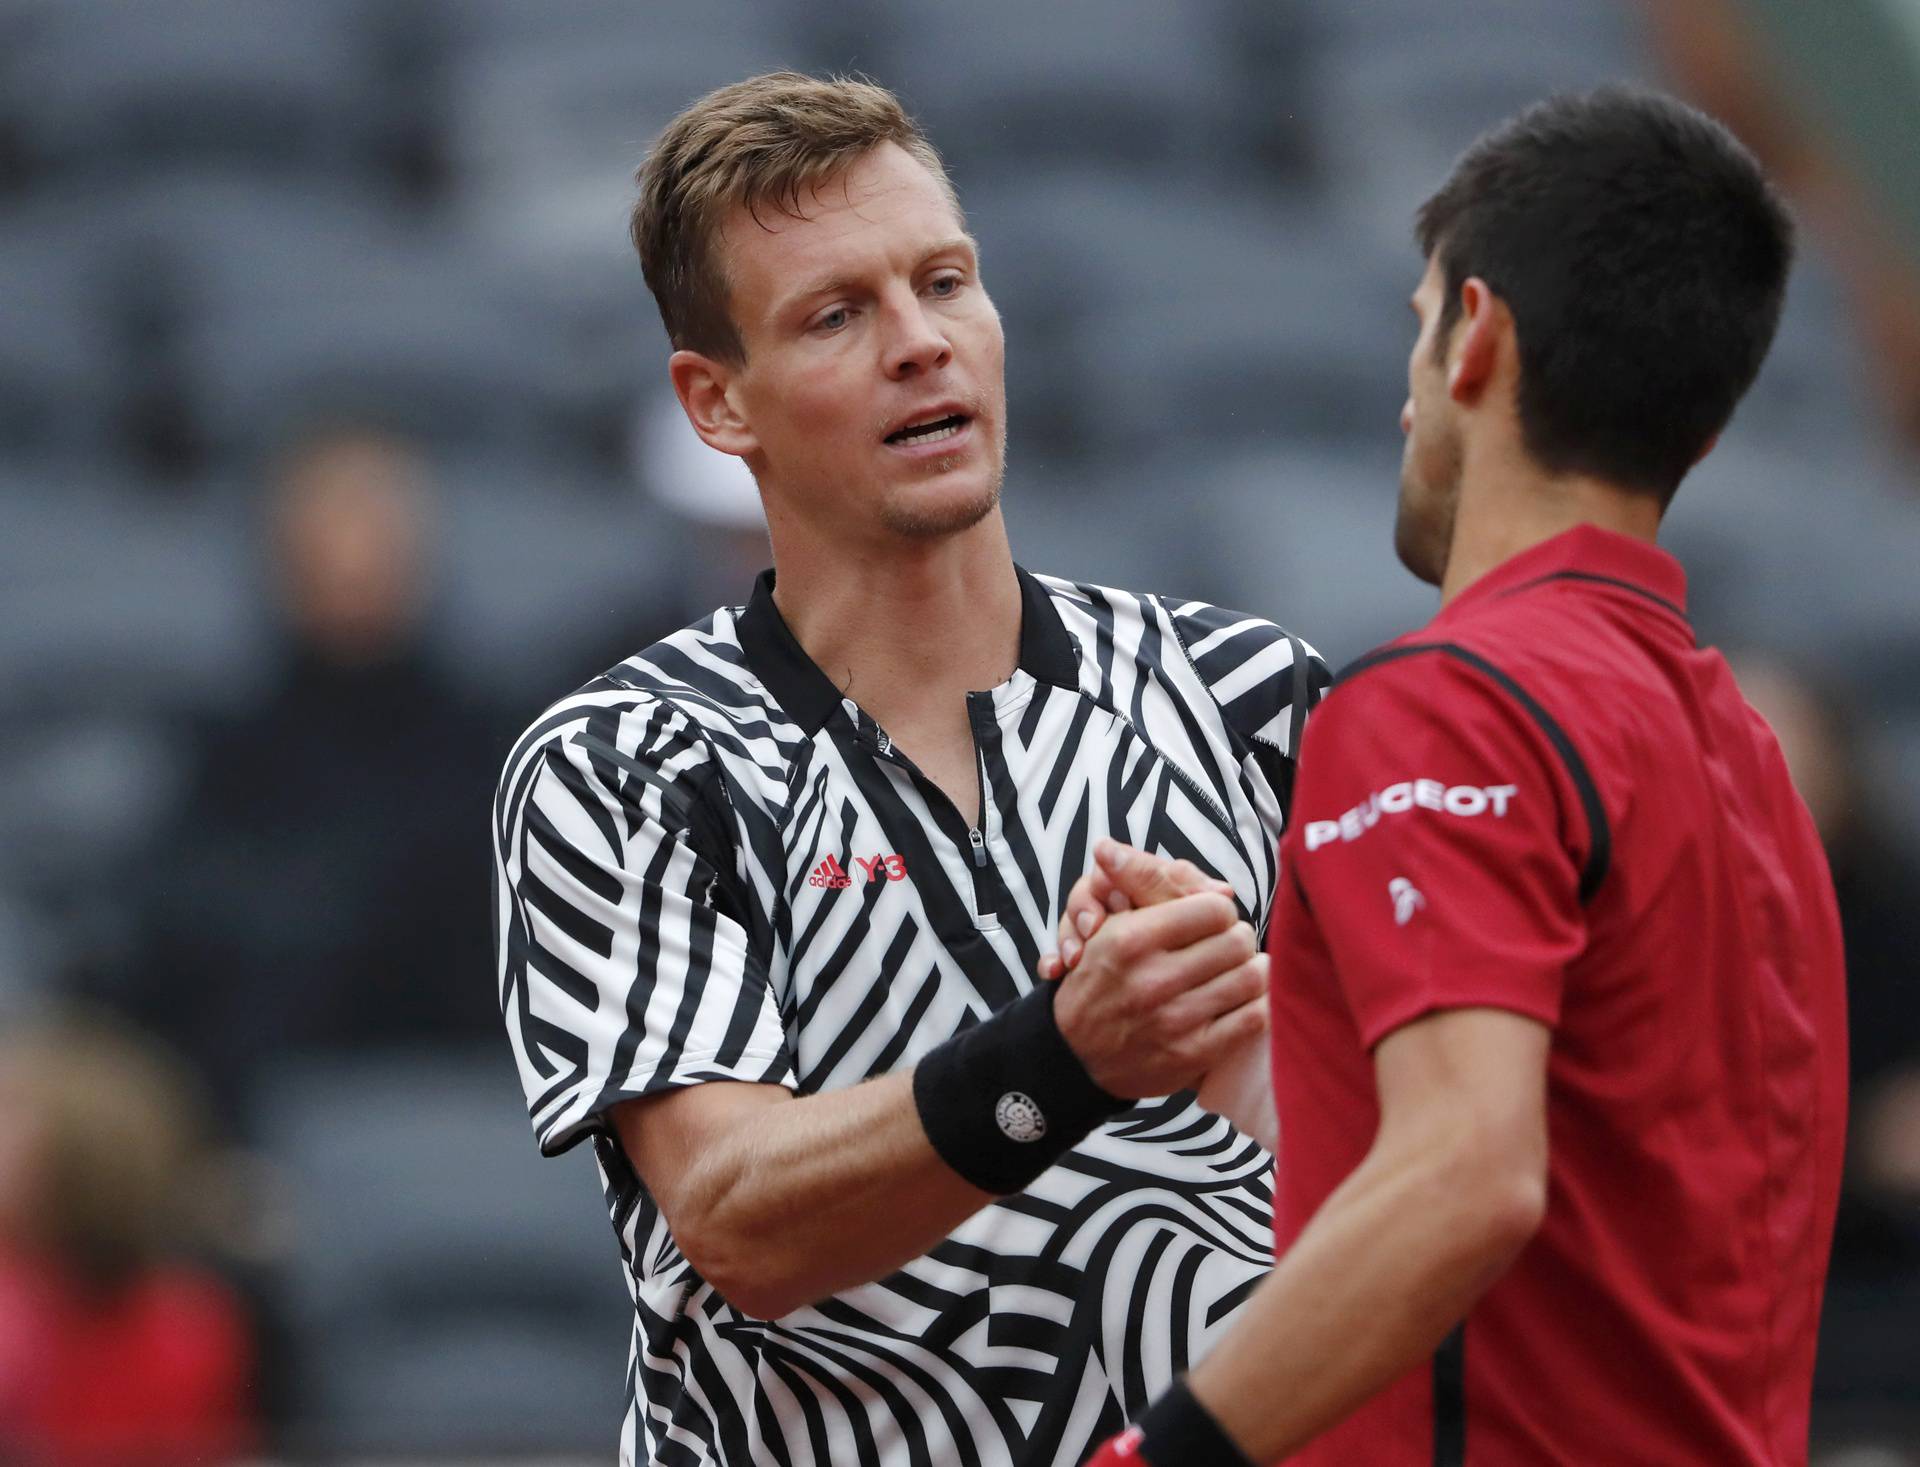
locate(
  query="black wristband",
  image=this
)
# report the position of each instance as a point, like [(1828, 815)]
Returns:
[(1178, 1431), (1006, 1099)]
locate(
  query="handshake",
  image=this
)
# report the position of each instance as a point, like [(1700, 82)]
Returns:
[(1163, 987)]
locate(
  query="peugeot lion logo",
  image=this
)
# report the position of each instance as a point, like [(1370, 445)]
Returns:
[(1407, 899)]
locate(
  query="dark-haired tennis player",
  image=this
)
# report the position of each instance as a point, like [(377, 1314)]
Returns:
[(1558, 1014)]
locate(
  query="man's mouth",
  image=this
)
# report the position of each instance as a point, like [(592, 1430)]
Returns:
[(931, 430)]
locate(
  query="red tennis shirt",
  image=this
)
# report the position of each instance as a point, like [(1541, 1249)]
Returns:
[(1551, 801)]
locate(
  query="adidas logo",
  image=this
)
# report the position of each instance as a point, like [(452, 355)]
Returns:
[(878, 868), (829, 873)]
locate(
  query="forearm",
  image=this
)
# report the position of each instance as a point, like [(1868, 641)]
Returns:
[(1392, 1261), (1240, 1088), (820, 1194)]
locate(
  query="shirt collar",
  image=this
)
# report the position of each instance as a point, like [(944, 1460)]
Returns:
[(809, 696), (1585, 553)]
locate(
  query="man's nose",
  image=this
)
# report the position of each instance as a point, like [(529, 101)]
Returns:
[(1406, 417), (915, 343)]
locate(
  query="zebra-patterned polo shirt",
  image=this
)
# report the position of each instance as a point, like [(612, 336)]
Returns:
[(710, 865)]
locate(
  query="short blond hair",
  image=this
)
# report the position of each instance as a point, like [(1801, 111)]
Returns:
[(764, 142)]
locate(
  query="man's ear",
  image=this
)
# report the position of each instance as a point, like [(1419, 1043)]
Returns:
[(705, 389), (1476, 337)]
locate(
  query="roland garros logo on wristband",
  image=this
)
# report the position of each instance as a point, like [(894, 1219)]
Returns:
[(1019, 1117)]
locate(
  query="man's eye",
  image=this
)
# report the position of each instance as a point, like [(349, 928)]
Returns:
[(944, 284), (833, 320)]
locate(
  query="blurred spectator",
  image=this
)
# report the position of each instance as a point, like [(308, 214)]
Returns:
[(1875, 881), (1718, 52), (322, 886), (1866, 1385), (112, 1349), (711, 505)]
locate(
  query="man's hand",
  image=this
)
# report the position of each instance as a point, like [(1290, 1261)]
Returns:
[(1161, 995), (1122, 879), (1237, 1083)]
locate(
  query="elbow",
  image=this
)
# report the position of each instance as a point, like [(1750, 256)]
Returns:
[(760, 1300), (1487, 1194), (1510, 1213), (739, 1266), (1505, 1201)]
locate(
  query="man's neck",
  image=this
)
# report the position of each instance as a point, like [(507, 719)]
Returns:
[(892, 625), (1508, 506)]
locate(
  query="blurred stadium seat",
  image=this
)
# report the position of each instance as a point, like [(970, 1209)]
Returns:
[(445, 1289), (58, 351), (110, 87), (1121, 82)]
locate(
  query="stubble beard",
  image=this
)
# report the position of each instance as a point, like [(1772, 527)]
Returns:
[(909, 518), (913, 520), (1429, 502)]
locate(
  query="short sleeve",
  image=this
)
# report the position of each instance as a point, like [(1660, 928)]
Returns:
[(1436, 843), (621, 971), (1265, 679)]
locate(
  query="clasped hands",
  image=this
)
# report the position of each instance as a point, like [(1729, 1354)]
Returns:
[(1163, 986)]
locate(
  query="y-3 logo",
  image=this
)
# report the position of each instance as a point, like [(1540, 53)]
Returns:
[(882, 868), (829, 872)]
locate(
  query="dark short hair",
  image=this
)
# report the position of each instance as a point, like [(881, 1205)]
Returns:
[(1644, 257)]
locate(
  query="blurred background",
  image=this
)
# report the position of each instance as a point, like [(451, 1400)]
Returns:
[(333, 445)]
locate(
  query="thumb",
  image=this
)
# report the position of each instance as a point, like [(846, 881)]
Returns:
[(1148, 879)]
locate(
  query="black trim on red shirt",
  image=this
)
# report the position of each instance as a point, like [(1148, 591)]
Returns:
[(1599, 832), (1450, 1399), (1592, 578)]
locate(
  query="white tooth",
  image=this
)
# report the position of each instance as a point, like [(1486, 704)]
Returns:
[(934, 437)]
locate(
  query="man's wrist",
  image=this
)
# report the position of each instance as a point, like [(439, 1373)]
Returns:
[(1004, 1100), (1177, 1431)]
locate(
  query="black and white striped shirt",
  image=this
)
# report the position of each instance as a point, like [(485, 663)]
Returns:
[(712, 866)]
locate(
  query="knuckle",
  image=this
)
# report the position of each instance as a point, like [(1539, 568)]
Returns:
[(1188, 911), (1156, 988)]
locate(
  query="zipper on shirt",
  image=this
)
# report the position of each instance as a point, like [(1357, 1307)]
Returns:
[(986, 910), (984, 720)]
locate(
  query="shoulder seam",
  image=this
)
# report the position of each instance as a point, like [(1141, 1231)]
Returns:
[(1599, 831), (1297, 713), (711, 773)]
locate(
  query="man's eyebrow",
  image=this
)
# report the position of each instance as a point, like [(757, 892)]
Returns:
[(825, 285), (956, 242), (835, 284)]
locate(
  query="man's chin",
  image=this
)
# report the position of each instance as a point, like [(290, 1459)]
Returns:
[(933, 511), (1421, 550)]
